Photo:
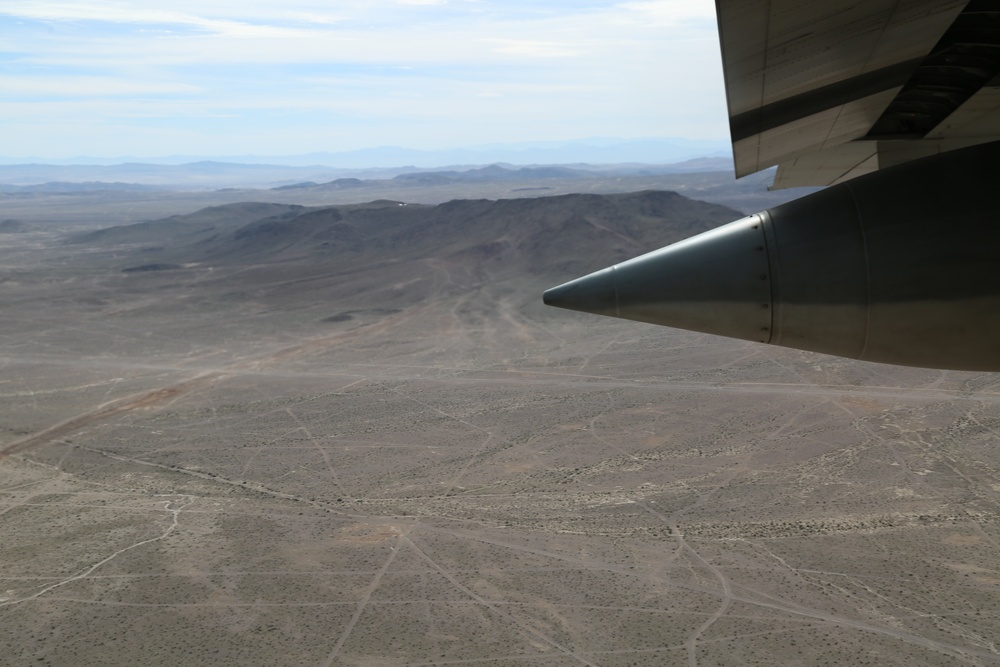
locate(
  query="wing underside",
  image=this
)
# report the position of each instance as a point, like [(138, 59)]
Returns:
[(828, 90)]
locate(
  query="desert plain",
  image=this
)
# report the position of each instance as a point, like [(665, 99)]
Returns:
[(267, 435)]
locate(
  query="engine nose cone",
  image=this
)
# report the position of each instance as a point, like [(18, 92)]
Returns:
[(594, 293), (718, 282)]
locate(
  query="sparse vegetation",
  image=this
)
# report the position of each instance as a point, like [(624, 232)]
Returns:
[(398, 457)]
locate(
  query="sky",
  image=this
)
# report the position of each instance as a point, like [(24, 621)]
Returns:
[(282, 77)]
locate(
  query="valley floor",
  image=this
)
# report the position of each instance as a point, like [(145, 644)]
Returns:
[(242, 465)]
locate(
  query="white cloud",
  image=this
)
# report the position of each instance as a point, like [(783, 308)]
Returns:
[(534, 48), (669, 12), (128, 14), (480, 69), (99, 11), (216, 15), (89, 86)]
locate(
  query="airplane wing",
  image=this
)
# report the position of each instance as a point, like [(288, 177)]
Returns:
[(893, 104), (829, 90)]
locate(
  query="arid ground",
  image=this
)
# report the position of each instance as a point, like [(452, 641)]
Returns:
[(263, 450)]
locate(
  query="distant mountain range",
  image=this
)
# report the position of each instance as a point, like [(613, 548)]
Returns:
[(64, 187), (498, 174), (213, 175), (592, 151)]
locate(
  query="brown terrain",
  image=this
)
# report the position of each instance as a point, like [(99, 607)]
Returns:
[(274, 434)]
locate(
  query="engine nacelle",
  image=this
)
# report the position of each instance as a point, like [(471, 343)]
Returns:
[(900, 266)]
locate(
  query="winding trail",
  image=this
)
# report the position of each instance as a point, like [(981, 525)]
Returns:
[(746, 595), (494, 608), (174, 511)]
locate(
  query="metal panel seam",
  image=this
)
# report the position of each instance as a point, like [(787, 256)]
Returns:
[(767, 231), (868, 273)]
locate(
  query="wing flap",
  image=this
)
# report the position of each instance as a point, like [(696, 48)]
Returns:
[(816, 132), (807, 75), (831, 166)]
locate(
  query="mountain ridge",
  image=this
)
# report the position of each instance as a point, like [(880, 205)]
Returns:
[(395, 254)]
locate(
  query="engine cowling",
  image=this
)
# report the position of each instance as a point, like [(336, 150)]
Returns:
[(900, 266)]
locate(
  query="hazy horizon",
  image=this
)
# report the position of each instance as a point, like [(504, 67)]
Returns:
[(589, 150)]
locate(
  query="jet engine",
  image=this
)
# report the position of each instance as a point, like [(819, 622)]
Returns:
[(899, 266)]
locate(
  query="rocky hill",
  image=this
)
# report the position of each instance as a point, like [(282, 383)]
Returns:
[(543, 235), (178, 230), (395, 255)]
